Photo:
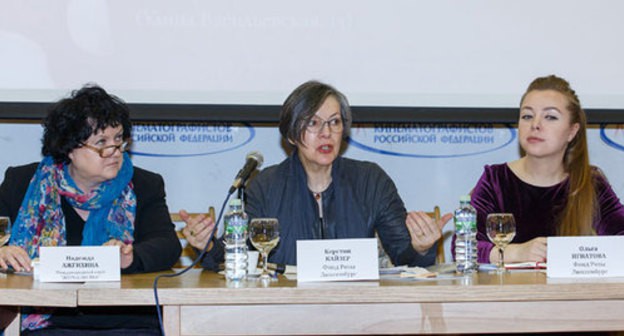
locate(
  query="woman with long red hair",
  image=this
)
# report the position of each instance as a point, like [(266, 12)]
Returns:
[(552, 190)]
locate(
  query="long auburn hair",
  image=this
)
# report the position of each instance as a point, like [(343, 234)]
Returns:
[(580, 211)]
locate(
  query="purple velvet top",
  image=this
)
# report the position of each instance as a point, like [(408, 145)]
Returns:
[(535, 208)]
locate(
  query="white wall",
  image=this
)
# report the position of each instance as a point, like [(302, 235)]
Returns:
[(479, 53)]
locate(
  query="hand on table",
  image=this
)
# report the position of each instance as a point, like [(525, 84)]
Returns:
[(15, 257), (532, 250), (125, 252)]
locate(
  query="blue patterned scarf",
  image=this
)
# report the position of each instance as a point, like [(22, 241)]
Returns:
[(41, 222)]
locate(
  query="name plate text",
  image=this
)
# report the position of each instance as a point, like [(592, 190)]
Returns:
[(78, 264), (585, 257), (337, 260)]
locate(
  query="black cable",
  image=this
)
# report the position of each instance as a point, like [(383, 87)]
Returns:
[(198, 259)]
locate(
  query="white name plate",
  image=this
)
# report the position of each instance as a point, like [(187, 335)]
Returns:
[(337, 260), (78, 264), (585, 257)]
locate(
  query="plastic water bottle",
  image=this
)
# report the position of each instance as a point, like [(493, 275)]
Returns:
[(235, 242), (466, 236)]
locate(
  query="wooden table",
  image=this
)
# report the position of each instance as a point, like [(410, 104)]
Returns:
[(17, 291), (201, 303)]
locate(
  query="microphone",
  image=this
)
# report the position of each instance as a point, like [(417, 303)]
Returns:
[(254, 160)]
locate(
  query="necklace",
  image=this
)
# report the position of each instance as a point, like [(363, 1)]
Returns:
[(318, 194)]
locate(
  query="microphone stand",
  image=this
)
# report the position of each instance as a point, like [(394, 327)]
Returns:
[(241, 192), (241, 195), (187, 268)]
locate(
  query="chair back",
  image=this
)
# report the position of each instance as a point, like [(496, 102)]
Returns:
[(440, 254)]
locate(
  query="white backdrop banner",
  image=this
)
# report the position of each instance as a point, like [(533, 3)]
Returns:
[(431, 164)]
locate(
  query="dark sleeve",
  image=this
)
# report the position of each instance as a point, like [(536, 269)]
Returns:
[(213, 258), (611, 215), (390, 223), (484, 198), (255, 200), (156, 245), (13, 189)]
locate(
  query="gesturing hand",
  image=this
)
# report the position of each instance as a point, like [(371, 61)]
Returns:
[(197, 229), (424, 230)]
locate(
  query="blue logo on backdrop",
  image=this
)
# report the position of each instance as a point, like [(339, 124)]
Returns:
[(613, 135), (189, 139), (432, 140)]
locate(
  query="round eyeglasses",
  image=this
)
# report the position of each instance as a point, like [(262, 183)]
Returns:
[(316, 124), (108, 151)]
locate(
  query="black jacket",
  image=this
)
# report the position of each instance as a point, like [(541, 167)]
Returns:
[(361, 200), (156, 246)]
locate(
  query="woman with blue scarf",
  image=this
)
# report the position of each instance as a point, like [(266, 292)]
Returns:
[(86, 192)]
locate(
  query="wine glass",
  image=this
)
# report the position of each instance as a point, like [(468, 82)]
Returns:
[(264, 236), (501, 229), (5, 230)]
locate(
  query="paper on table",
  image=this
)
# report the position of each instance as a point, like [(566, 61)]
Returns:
[(526, 265), (392, 270), (408, 272), (401, 271)]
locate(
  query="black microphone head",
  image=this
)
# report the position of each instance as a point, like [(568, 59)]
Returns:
[(253, 161), (256, 156)]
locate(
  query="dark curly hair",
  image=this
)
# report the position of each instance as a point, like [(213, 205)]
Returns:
[(71, 121)]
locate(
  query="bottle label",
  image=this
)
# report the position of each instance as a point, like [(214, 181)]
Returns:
[(465, 225), (236, 225)]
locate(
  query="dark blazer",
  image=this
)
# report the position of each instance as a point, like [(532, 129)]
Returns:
[(156, 245), (362, 200)]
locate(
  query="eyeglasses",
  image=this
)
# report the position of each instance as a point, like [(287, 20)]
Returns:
[(316, 124), (108, 151)]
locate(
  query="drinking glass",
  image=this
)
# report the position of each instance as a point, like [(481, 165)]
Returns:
[(501, 229), (264, 236), (5, 230)]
